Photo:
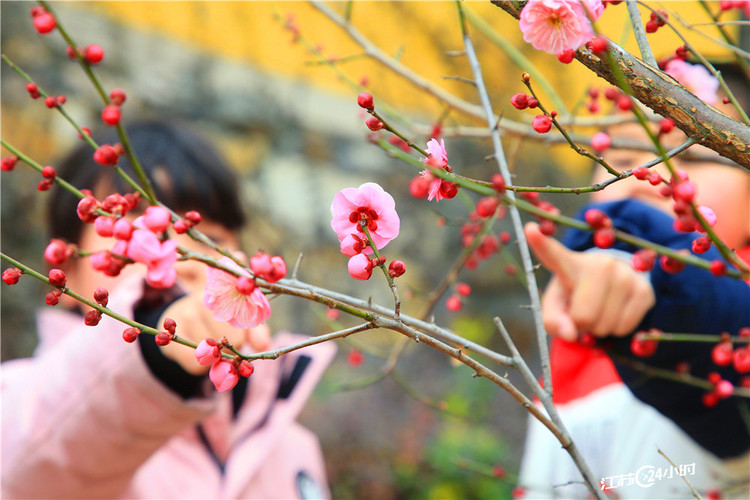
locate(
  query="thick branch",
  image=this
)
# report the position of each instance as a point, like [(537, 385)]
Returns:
[(658, 91)]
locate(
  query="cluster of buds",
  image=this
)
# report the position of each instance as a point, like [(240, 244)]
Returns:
[(454, 303), (191, 219), (622, 101), (92, 54), (657, 20), (112, 112), (546, 226), (224, 373), (604, 234), (48, 177), (644, 347), (266, 267), (722, 389), (108, 154), (44, 22), (724, 353)]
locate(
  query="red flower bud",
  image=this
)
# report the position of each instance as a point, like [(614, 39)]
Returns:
[(92, 318), (101, 296), (111, 114), (56, 278), (105, 155), (170, 325), (44, 23), (163, 338), (93, 54), (374, 124), (396, 268), (117, 97), (542, 124), (520, 100), (11, 275), (365, 100), (130, 334)]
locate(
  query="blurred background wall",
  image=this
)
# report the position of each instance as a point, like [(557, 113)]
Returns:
[(290, 125)]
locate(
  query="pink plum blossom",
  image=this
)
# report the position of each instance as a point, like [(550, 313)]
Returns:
[(369, 204), (224, 375), (156, 219), (360, 267), (159, 257), (352, 244), (557, 25), (438, 158), (207, 353), (601, 142), (695, 78), (271, 269), (708, 214), (228, 303)]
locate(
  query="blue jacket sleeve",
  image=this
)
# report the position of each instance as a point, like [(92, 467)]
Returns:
[(691, 301)]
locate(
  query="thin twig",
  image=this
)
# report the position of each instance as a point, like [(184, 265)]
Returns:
[(640, 34), (684, 476)]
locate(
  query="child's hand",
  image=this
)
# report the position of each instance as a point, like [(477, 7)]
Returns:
[(589, 292), (195, 322)]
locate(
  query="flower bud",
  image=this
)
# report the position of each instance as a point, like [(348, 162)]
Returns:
[(396, 268), (351, 245), (360, 267), (101, 296), (365, 100), (92, 317), (245, 368), (374, 124), (11, 275), (224, 375), (542, 124), (207, 353), (56, 278), (130, 334)]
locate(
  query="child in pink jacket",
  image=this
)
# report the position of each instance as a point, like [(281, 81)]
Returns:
[(91, 416)]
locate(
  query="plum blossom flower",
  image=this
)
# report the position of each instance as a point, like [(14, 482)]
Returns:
[(156, 219), (368, 204), (159, 257), (695, 78), (224, 375), (557, 25), (438, 158), (229, 303)]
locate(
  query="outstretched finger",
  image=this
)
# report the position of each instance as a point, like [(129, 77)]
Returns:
[(552, 254)]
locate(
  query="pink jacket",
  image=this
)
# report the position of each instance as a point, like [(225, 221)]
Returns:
[(85, 418)]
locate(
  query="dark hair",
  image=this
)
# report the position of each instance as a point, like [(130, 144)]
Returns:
[(187, 173)]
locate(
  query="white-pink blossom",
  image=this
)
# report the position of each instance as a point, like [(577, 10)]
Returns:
[(368, 204), (695, 78), (159, 257), (228, 303), (437, 157), (557, 25)]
